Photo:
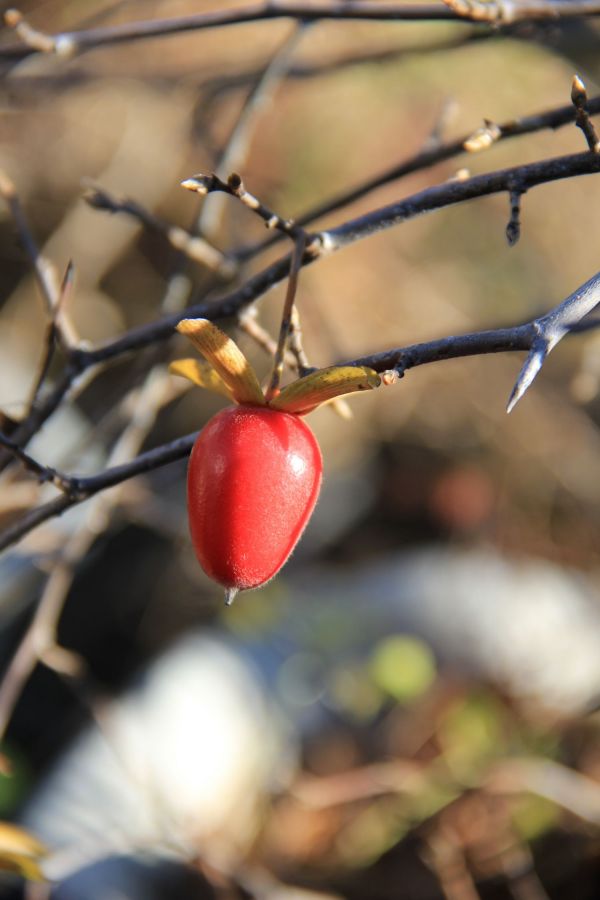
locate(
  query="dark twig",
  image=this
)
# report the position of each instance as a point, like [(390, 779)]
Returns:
[(547, 330), (368, 10), (80, 489), (430, 199), (582, 114), (43, 473), (55, 334), (234, 186), (526, 176), (42, 411), (554, 118)]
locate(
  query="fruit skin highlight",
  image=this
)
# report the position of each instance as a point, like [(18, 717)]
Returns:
[(253, 481)]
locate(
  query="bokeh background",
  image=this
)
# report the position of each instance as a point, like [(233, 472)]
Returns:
[(409, 708)]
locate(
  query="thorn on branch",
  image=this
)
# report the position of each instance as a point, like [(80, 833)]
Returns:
[(530, 369), (579, 99), (513, 229), (552, 328)]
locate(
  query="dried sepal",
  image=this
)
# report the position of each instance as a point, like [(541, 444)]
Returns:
[(21, 852), (319, 387), (226, 358), (201, 374)]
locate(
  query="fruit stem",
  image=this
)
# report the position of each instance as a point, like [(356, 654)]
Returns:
[(230, 595), (286, 318)]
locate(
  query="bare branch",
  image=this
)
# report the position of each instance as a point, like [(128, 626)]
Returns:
[(538, 336), (235, 151), (195, 248), (434, 198), (77, 41), (231, 304), (80, 489), (582, 114), (44, 271), (234, 186), (527, 176), (553, 119), (286, 317)]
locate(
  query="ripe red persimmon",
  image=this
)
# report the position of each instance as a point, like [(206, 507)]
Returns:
[(253, 480)]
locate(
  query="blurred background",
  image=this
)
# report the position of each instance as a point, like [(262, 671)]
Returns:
[(409, 710)]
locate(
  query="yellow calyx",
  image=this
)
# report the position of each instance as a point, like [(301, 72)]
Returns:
[(21, 852), (227, 371)]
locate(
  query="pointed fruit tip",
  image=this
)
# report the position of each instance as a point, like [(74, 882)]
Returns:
[(230, 595)]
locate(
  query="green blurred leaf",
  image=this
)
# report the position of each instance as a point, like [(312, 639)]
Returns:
[(471, 734), (352, 691), (534, 816), (14, 780), (403, 667)]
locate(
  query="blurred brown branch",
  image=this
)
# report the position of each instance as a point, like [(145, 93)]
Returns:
[(71, 42)]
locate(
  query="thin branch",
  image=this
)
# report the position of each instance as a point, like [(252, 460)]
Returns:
[(55, 334), (368, 10), (579, 98), (472, 142), (392, 363), (42, 411), (428, 200), (81, 489), (286, 316), (195, 248), (43, 473), (235, 151), (235, 187), (44, 271), (39, 643), (450, 193)]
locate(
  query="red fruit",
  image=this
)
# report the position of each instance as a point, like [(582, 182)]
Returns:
[(253, 481)]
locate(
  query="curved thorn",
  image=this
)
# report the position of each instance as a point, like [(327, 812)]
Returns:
[(530, 369)]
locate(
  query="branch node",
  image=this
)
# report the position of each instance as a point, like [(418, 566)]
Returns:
[(30, 36), (391, 376), (483, 138)]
